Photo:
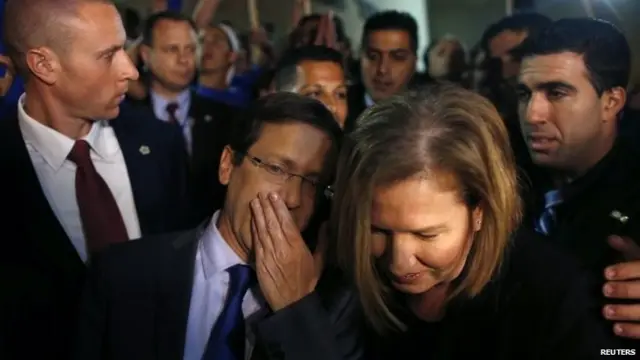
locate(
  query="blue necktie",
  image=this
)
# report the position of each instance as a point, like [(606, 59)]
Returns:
[(227, 338), (546, 221)]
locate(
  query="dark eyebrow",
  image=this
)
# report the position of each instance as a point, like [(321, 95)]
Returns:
[(112, 49), (310, 86), (400, 51), (548, 85), (395, 50)]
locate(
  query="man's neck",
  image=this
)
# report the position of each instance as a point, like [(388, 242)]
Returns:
[(46, 110), (224, 227), (165, 93), (213, 80)]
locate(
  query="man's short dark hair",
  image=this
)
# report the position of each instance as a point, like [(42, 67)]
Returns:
[(286, 74), (282, 108), (603, 47), (530, 22), (152, 21), (392, 20)]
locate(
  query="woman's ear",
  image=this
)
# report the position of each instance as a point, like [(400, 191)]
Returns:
[(476, 218)]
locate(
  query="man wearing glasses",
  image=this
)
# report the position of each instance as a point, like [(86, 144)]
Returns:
[(242, 285)]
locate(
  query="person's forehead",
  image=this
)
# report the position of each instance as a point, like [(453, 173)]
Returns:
[(564, 67), (506, 40), (168, 27), (97, 25), (214, 32), (389, 39), (321, 68), (290, 136)]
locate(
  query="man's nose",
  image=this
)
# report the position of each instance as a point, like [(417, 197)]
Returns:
[(537, 109)]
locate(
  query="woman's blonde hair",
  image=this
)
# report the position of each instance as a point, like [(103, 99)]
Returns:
[(440, 128)]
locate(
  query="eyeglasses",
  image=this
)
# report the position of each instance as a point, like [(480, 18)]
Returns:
[(281, 175)]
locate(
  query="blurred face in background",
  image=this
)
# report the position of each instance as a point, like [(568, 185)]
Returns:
[(440, 57), (499, 47), (388, 63), (324, 81), (171, 58), (217, 54)]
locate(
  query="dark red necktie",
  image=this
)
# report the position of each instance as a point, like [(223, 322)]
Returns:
[(101, 218), (171, 110)]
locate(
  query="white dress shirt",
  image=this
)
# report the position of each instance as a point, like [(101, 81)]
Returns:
[(182, 113), (48, 150), (208, 295)]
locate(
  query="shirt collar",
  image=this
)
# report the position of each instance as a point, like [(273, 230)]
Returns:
[(53, 146), (368, 101), (217, 255)]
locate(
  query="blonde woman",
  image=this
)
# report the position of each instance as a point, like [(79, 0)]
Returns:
[(426, 215)]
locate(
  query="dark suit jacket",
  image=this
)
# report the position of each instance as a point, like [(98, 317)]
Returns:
[(212, 123), (41, 274), (538, 307), (137, 300), (584, 219)]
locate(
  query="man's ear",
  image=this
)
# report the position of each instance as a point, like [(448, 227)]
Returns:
[(613, 101), (226, 165), (44, 64)]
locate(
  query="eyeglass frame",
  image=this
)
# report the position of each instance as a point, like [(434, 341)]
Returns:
[(277, 170)]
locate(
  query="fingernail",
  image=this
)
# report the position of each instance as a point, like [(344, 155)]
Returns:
[(273, 196), (610, 273), (609, 311), (617, 328), (608, 290)]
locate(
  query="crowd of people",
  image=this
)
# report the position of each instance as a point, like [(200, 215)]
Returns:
[(180, 190)]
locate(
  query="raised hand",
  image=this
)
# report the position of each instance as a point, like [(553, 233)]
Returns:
[(287, 270)]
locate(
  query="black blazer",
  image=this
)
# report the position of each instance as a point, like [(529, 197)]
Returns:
[(537, 307), (210, 131), (41, 274), (584, 220), (136, 307)]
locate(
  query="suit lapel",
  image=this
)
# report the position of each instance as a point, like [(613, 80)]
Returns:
[(175, 297), (138, 157), (47, 240)]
